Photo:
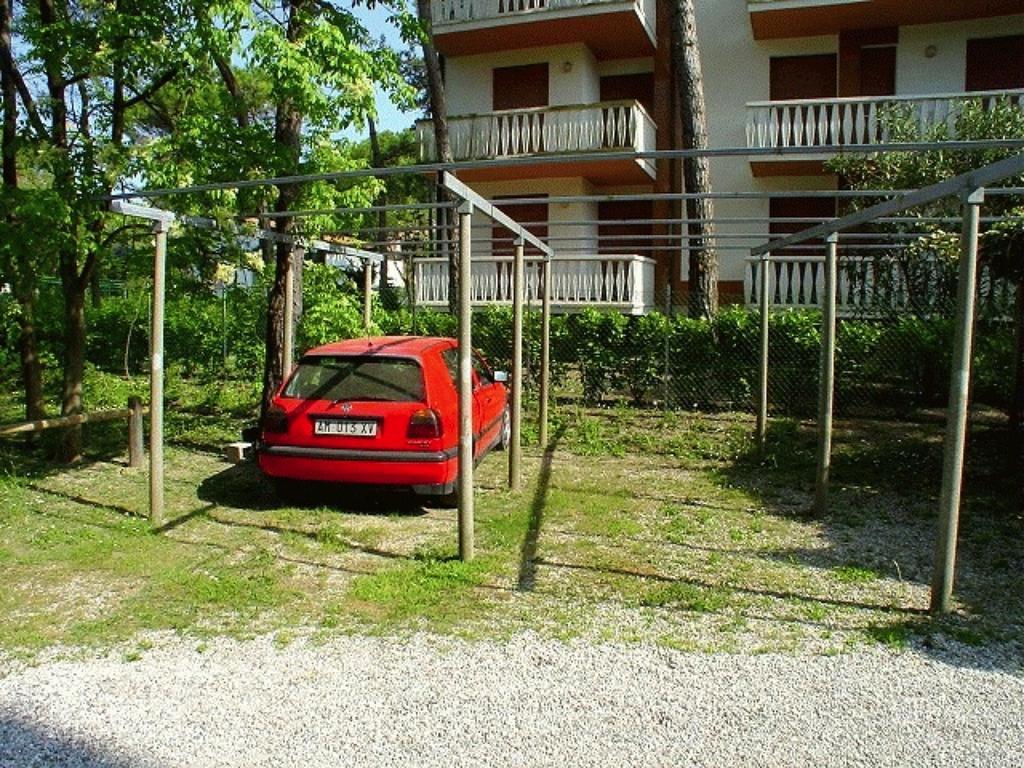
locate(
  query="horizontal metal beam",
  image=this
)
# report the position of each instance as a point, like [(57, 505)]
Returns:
[(142, 211), (576, 157), (976, 179), (485, 206)]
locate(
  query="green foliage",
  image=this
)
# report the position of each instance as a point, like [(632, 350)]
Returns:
[(598, 338), (329, 311)]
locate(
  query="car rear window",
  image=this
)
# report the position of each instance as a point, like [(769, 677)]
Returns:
[(344, 378)]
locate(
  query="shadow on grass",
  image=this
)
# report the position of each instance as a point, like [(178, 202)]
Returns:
[(780, 594), (528, 554), (243, 486), (883, 519)]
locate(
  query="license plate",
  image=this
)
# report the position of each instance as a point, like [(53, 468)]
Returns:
[(345, 428)]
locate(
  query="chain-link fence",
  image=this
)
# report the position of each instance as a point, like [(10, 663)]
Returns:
[(893, 358)]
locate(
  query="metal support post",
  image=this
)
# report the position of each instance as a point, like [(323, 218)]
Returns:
[(515, 443), (367, 295), (289, 316), (465, 482), (765, 304), (956, 417), (156, 379), (545, 354), (826, 383)]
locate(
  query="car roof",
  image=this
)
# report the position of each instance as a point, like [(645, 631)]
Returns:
[(390, 346)]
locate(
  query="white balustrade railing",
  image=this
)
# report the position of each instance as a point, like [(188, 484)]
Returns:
[(451, 12), (839, 122), (874, 286), (614, 125), (623, 282)]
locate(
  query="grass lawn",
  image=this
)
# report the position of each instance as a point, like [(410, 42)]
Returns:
[(637, 526)]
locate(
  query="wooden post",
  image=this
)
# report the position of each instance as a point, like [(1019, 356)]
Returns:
[(156, 379), (956, 416), (545, 354), (367, 295), (465, 211), (765, 304), (826, 383), (515, 443), (289, 316), (136, 452)]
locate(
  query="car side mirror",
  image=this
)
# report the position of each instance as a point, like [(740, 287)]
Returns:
[(501, 377)]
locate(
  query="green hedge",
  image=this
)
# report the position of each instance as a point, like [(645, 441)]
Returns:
[(597, 356)]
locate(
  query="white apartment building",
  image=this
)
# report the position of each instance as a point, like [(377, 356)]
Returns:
[(539, 78)]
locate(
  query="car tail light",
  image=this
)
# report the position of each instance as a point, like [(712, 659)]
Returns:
[(424, 425), (275, 419)]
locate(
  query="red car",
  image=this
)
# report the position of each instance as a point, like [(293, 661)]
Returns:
[(380, 411)]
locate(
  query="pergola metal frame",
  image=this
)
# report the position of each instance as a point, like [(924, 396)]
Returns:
[(971, 187), (974, 186)]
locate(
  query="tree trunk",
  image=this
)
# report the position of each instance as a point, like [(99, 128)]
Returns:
[(21, 274), (439, 117), (74, 355), (287, 136), (703, 260), (28, 351)]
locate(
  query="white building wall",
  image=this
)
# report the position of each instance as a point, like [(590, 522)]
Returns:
[(572, 77), (737, 71), (944, 70)]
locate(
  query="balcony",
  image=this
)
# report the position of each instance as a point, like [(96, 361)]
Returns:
[(875, 287), (772, 19), (584, 128), (841, 122), (610, 28), (624, 283)]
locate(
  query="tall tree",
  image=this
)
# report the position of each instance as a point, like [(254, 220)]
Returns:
[(292, 75), (17, 269), (92, 64), (703, 259), (438, 101)]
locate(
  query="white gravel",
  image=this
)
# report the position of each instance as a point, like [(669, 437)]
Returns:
[(358, 701)]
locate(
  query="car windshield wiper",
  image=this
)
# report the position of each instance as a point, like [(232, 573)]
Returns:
[(360, 399)]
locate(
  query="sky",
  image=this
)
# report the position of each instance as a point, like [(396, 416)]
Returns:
[(390, 118)]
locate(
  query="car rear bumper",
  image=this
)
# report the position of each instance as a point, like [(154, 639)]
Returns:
[(429, 472)]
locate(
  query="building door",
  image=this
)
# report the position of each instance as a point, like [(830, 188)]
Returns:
[(636, 87), (995, 63), (802, 77)]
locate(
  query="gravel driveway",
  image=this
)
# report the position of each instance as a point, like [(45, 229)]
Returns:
[(358, 701)]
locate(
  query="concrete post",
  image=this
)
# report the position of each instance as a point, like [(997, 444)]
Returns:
[(545, 354), (156, 379), (765, 305), (367, 295), (465, 212), (515, 444), (956, 416), (289, 316), (826, 382)]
